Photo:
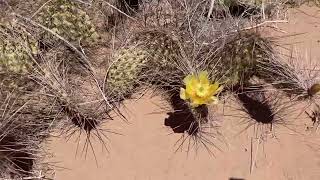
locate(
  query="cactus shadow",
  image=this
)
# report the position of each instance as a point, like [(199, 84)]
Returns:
[(16, 152), (182, 120), (256, 104)]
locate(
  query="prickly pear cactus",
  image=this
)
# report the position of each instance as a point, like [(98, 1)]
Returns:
[(16, 46), (132, 64), (67, 19), (125, 71), (237, 60), (163, 48)]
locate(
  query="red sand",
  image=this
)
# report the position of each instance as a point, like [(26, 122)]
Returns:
[(145, 151)]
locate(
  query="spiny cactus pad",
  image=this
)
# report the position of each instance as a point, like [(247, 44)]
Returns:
[(67, 19), (237, 60), (16, 46), (125, 72), (160, 46)]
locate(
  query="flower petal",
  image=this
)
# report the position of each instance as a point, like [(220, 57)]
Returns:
[(183, 94), (214, 100), (203, 77), (187, 79), (190, 80), (213, 89), (191, 85), (196, 101)]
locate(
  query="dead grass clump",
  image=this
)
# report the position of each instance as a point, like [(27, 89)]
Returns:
[(17, 159), (251, 10), (234, 8), (287, 77), (24, 125), (111, 13)]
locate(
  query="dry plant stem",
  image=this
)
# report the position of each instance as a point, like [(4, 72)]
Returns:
[(281, 76), (20, 135), (86, 3), (120, 11), (251, 155), (263, 24), (34, 14), (211, 8), (252, 159), (54, 83), (34, 177)]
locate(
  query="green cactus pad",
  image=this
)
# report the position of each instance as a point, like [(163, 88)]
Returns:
[(161, 47), (67, 19), (236, 62), (124, 72), (16, 46)]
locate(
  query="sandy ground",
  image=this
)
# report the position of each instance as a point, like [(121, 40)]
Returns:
[(146, 148)]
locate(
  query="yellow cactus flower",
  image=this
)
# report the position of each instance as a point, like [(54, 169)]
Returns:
[(199, 90)]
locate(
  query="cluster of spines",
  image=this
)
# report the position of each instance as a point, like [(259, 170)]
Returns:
[(16, 48), (67, 19), (125, 71)]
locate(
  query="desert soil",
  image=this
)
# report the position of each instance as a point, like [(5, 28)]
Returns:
[(145, 150)]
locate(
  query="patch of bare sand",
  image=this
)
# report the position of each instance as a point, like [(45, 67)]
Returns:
[(145, 151)]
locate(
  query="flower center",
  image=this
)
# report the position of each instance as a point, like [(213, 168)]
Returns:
[(201, 91)]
